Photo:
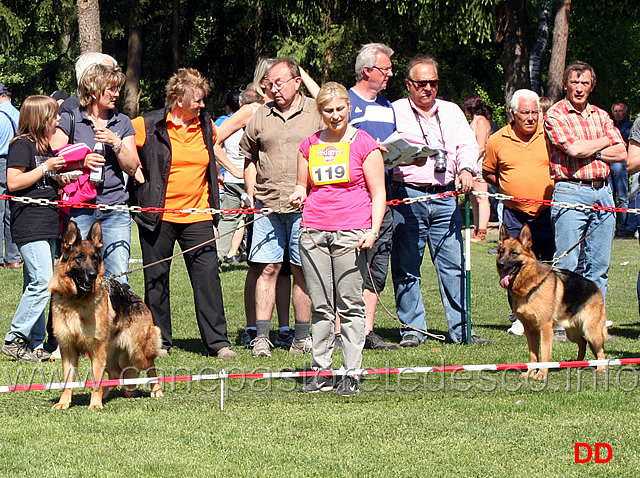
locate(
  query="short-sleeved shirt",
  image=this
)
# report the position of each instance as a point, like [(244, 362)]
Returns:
[(187, 184), (376, 116), (521, 169), (8, 125), (272, 142), (30, 222), (113, 190), (345, 205), (564, 125), (634, 134)]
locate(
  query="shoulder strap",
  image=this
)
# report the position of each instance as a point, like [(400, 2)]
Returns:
[(72, 127), (13, 125)]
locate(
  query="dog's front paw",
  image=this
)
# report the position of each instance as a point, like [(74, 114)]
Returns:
[(135, 393), (61, 406), (157, 393), (541, 375), (95, 405), (528, 373)]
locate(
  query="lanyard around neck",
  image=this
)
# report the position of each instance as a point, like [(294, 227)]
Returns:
[(417, 115)]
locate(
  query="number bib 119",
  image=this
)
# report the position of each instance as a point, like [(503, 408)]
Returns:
[(329, 163)]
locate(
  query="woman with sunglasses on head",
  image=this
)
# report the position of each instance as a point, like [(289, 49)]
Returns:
[(111, 137), (341, 181), (35, 228)]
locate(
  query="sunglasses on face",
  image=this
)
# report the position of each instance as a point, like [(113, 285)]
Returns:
[(419, 85)]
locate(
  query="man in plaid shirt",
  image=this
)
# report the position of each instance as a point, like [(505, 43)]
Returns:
[(582, 142)]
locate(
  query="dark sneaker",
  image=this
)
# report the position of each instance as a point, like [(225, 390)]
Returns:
[(374, 341), (559, 335), (337, 344), (248, 336), (317, 383), (301, 347), (347, 386), (477, 340), (20, 350), (410, 340), (285, 339), (261, 347)]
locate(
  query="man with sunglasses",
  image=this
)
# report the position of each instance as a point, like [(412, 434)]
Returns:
[(422, 119), (270, 147), (373, 113)]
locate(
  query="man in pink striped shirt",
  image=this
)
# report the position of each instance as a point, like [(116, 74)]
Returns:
[(582, 142)]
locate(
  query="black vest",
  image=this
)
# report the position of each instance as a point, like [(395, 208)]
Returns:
[(155, 157)]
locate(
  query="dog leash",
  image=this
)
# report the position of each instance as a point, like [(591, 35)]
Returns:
[(266, 212)]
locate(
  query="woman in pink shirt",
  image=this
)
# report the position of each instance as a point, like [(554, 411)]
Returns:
[(341, 183)]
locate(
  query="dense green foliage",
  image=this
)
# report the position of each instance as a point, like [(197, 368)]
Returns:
[(224, 39)]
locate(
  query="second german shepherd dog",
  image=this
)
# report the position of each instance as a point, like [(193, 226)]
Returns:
[(99, 317), (544, 297)]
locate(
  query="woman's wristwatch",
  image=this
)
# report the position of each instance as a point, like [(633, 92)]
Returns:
[(116, 149), (376, 234)]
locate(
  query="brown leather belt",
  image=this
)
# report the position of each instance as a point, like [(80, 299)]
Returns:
[(439, 188), (595, 184)]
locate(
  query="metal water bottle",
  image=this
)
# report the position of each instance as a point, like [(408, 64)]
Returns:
[(97, 176)]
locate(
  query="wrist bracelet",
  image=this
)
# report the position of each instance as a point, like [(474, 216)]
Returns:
[(116, 149), (45, 170), (376, 234)]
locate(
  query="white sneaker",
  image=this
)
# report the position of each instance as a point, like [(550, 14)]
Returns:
[(516, 329), (56, 353)]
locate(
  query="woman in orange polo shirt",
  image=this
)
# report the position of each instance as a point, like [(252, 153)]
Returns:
[(175, 145)]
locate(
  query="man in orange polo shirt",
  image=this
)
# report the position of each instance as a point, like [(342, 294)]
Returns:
[(175, 145), (517, 163)]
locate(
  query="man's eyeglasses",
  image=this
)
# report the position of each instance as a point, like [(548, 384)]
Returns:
[(419, 85), (278, 85), (384, 70)]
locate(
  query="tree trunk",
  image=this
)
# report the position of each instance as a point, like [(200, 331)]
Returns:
[(89, 26), (175, 36), (134, 70), (512, 32), (542, 37), (559, 49)]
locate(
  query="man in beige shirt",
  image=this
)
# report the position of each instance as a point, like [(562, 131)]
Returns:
[(270, 147)]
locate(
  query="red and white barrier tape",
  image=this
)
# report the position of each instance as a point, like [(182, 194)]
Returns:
[(310, 373)]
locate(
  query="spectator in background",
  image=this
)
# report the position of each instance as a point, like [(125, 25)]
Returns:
[(177, 159), (83, 62), (517, 164), (110, 135), (582, 143), (9, 118), (229, 242), (633, 167), (489, 115), (436, 224), (372, 112), (476, 109), (60, 96), (545, 104), (270, 147), (619, 175)]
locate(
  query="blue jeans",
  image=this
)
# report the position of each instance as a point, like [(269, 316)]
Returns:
[(571, 225), (29, 320), (438, 224), (620, 181), (116, 237), (8, 250)]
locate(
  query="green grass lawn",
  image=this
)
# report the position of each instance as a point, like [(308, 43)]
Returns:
[(464, 424)]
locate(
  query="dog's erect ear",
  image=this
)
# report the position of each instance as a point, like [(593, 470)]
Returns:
[(71, 238), (504, 233), (95, 234), (525, 236)]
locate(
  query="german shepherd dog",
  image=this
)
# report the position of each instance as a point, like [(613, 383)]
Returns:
[(99, 317), (544, 297)]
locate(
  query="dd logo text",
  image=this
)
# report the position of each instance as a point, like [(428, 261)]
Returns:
[(579, 458)]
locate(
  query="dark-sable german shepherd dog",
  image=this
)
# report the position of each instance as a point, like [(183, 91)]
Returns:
[(544, 297), (99, 317)]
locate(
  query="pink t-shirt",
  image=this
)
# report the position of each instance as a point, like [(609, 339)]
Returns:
[(345, 205)]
